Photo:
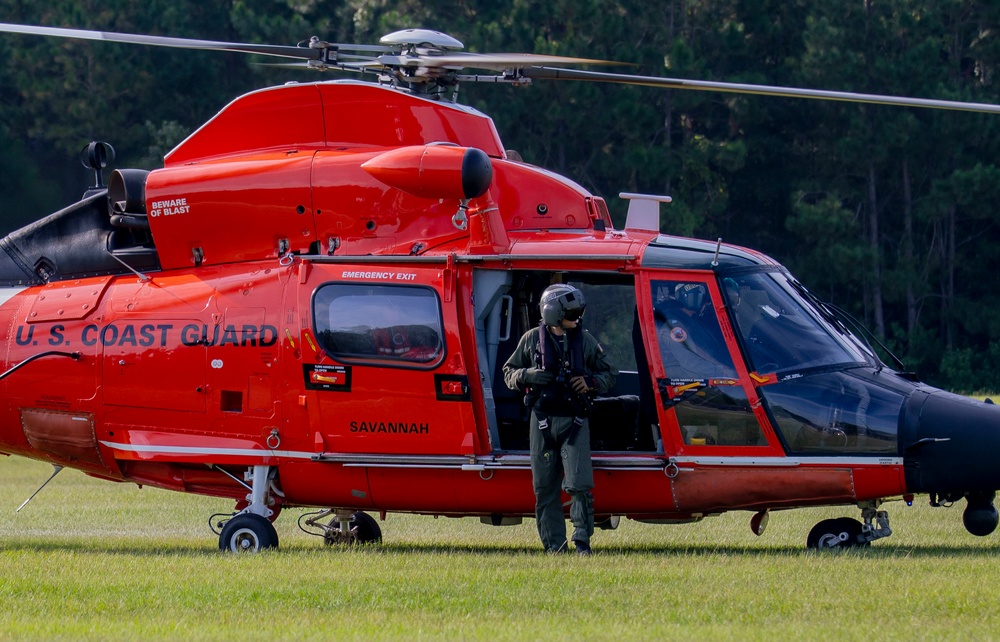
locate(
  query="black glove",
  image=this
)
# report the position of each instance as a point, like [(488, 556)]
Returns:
[(579, 384), (537, 377)]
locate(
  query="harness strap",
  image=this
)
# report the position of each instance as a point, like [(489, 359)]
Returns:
[(545, 425)]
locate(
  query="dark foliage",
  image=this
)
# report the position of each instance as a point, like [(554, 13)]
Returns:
[(888, 212)]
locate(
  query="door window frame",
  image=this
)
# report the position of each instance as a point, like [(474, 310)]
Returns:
[(668, 391)]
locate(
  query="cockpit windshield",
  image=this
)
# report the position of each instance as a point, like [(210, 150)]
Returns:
[(782, 329)]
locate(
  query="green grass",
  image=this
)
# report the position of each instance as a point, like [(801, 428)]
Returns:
[(95, 560)]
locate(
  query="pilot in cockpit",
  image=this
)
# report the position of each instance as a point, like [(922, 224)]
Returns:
[(688, 332)]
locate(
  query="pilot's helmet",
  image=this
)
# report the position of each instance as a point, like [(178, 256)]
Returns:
[(732, 290), (561, 301), (691, 296)]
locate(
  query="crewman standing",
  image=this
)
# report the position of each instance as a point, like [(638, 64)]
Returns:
[(561, 367)]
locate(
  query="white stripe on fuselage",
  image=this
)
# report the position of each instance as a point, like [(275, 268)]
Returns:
[(6, 294)]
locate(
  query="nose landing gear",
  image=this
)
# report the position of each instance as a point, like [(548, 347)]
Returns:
[(847, 532), (344, 527)]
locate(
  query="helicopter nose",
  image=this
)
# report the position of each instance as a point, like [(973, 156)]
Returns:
[(950, 444)]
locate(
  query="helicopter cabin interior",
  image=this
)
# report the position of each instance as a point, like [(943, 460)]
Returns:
[(506, 306)]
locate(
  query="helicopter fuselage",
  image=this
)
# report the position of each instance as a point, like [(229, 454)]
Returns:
[(324, 281)]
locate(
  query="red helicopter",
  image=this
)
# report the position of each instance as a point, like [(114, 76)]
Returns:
[(310, 304)]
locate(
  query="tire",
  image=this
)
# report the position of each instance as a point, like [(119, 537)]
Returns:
[(368, 530), (248, 533), (842, 532)]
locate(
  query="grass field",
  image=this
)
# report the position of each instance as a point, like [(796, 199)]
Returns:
[(91, 560)]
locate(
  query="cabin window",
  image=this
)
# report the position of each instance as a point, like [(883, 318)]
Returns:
[(610, 316), (364, 322)]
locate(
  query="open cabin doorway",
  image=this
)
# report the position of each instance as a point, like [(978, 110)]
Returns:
[(506, 306)]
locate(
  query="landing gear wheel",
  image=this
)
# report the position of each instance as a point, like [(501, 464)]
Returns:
[(248, 533), (364, 530), (842, 532), (368, 529)]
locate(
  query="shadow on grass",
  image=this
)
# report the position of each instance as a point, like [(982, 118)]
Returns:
[(175, 549), (685, 550), (121, 547)]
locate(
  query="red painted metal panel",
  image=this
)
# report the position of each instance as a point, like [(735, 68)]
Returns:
[(286, 117), (325, 484), (231, 211), (322, 115), (362, 114), (874, 482), (721, 488), (67, 300)]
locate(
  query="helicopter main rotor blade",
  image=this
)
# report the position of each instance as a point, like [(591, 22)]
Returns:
[(492, 61), (552, 73), (304, 53), (324, 55)]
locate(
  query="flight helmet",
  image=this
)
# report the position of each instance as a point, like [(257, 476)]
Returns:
[(561, 301), (691, 296)]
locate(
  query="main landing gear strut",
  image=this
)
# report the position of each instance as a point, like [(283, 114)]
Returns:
[(251, 530), (847, 532)]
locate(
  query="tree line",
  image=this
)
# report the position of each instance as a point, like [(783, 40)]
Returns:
[(887, 212)]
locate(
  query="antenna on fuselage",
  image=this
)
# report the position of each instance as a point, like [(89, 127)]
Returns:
[(58, 469)]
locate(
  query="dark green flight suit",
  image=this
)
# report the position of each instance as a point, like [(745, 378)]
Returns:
[(564, 450)]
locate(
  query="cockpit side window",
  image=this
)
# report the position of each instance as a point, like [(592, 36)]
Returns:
[(688, 332), (705, 393)]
